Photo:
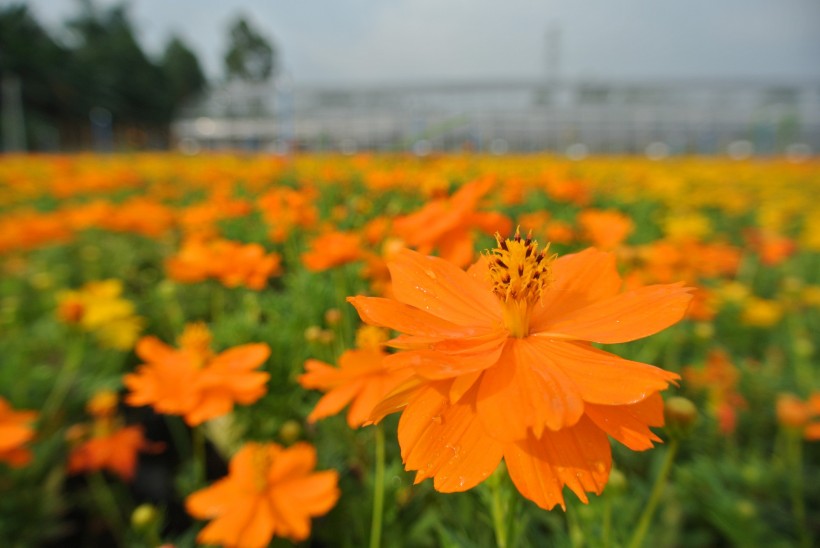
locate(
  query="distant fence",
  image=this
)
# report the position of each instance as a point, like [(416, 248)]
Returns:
[(652, 118)]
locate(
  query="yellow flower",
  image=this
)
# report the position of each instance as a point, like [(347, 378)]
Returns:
[(98, 308), (759, 312)]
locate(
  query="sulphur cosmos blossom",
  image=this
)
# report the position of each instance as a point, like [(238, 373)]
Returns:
[(361, 379), (269, 491), (504, 368), (192, 380)]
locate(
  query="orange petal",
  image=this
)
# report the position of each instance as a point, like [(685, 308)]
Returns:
[(315, 494), (629, 424), (246, 356), (213, 500), (446, 441), (229, 528), (625, 317), (406, 319), (602, 377), (334, 401), (151, 349), (523, 391), (397, 399), (578, 280), (431, 364), (578, 457), (297, 460), (437, 286)]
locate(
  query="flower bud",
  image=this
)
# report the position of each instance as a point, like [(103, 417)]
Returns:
[(680, 414), (290, 431), (144, 516)]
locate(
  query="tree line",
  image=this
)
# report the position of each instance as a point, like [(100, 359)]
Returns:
[(95, 82)]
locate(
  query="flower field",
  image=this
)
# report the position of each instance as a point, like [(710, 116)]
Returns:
[(390, 350)]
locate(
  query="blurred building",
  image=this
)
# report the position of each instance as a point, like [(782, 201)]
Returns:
[(657, 118)]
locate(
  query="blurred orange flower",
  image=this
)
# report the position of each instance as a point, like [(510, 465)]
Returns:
[(110, 445), (605, 229), (719, 377), (269, 491), (332, 249), (446, 224), (503, 366), (361, 378), (793, 412), (15, 433), (232, 263), (193, 382)]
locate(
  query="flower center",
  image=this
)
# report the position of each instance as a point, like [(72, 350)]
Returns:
[(519, 273), (196, 339), (261, 467)]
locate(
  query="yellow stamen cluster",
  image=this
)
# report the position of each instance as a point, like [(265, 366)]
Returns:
[(519, 273)]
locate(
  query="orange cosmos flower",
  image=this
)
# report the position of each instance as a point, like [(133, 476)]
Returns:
[(331, 249), (110, 446), (504, 367), (193, 382), (15, 433), (361, 378), (269, 491)]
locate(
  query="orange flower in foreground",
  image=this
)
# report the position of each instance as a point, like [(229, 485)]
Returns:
[(361, 378), (191, 381), (15, 433), (269, 491), (504, 367)]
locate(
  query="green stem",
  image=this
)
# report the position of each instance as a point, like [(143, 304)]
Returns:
[(655, 496), (65, 380), (606, 533), (378, 491), (198, 442), (106, 503), (795, 457), (498, 510)]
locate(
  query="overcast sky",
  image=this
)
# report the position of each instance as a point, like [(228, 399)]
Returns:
[(395, 41)]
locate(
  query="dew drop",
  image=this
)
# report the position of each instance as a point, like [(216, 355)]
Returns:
[(437, 419), (431, 274)]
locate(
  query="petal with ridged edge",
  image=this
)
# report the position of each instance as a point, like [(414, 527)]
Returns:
[(578, 457), (432, 364), (629, 424), (602, 377), (578, 280), (446, 441), (524, 392), (625, 317), (439, 287), (397, 399), (407, 319)]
